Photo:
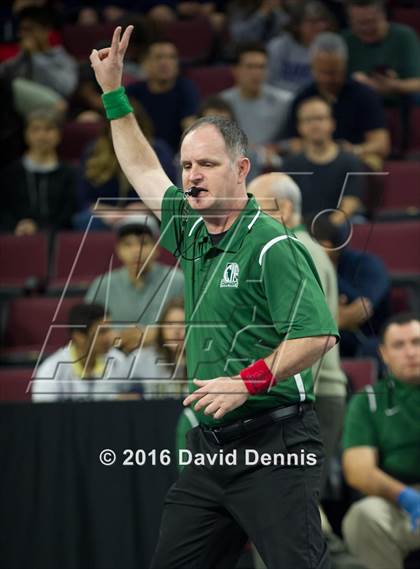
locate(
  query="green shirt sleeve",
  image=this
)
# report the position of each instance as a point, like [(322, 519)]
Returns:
[(409, 54), (293, 289), (174, 218), (359, 428)]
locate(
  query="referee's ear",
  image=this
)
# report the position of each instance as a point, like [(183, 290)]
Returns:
[(244, 166)]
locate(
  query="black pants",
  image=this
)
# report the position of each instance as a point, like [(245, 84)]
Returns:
[(211, 511)]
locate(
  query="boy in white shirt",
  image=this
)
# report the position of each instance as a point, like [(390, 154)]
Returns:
[(89, 367)]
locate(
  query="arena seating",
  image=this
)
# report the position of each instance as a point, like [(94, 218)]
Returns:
[(401, 190), (361, 372), (15, 384), (193, 38), (210, 80), (404, 129), (23, 262), (34, 324), (401, 299), (414, 147), (80, 40), (76, 136), (398, 244), (79, 258)]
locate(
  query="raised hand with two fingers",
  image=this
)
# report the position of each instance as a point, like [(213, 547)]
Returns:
[(107, 63)]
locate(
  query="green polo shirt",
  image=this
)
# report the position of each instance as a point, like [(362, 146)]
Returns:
[(386, 417), (257, 287), (399, 50)]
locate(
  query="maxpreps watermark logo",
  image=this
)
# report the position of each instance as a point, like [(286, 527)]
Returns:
[(230, 276)]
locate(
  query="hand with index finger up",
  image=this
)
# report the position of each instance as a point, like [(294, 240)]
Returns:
[(107, 63)]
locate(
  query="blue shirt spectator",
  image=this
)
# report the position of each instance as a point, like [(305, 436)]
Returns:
[(364, 289), (171, 101)]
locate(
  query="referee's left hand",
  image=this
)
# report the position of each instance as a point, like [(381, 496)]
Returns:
[(218, 396)]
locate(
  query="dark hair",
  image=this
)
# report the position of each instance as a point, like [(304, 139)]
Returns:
[(324, 230), (310, 10), (316, 99), (235, 139), (83, 316), (217, 103), (44, 114), (400, 319), (248, 47), (134, 229), (159, 40), (174, 303), (38, 14), (365, 3)]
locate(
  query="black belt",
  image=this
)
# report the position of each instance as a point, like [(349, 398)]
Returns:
[(228, 433)]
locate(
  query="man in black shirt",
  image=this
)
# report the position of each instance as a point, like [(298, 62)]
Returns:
[(329, 177), (38, 190)]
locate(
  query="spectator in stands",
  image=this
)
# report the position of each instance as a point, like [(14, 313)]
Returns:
[(38, 61), (38, 190), (101, 177), (9, 14), (382, 454), (214, 105), (288, 54), (357, 109), (135, 294), (161, 366), (260, 109), (364, 288), (383, 55), (256, 20), (88, 368), (323, 171), (170, 100)]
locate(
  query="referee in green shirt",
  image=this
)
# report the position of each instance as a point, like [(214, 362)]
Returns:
[(257, 321)]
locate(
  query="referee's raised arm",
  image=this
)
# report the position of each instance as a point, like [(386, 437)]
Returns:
[(135, 155)]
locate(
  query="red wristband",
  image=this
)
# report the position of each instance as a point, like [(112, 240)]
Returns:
[(258, 377)]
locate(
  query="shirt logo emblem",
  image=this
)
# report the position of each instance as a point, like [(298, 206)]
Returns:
[(230, 276)]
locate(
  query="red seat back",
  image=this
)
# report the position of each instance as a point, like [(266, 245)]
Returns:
[(414, 145), (80, 40), (361, 371), (398, 244), (15, 384), (76, 136), (79, 258), (193, 38), (35, 321), (401, 186), (401, 299), (23, 258), (211, 80)]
